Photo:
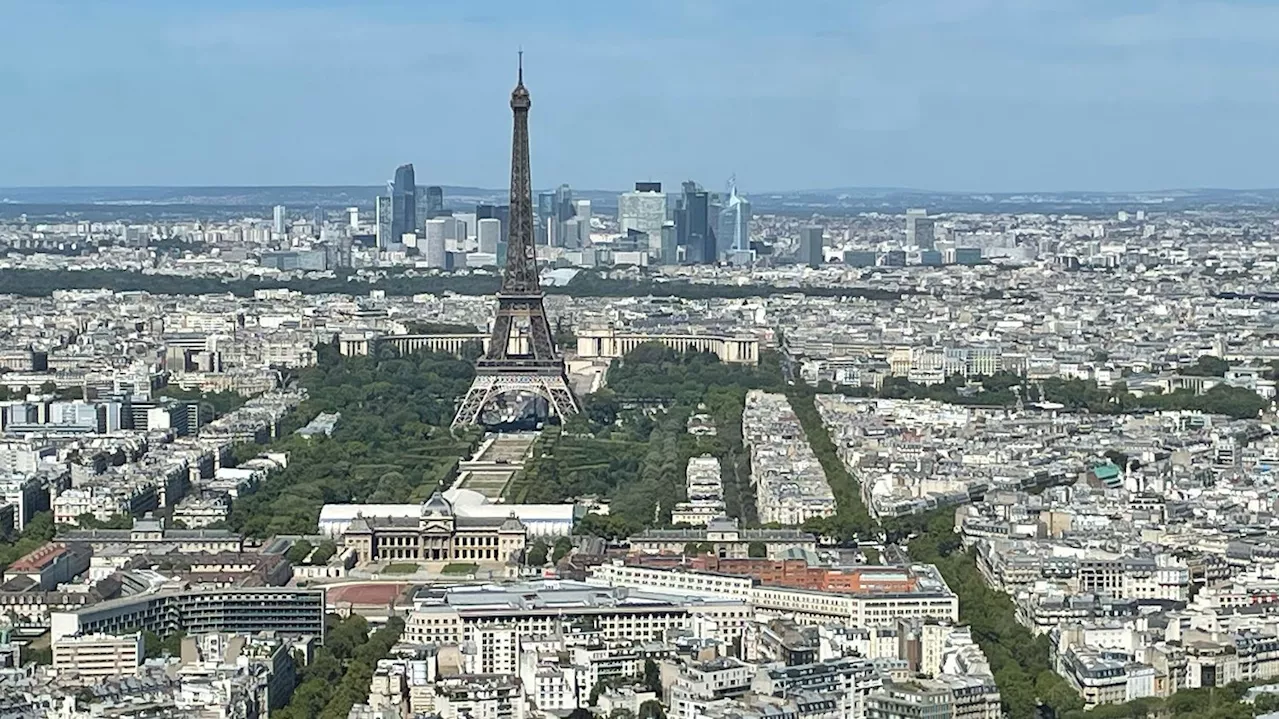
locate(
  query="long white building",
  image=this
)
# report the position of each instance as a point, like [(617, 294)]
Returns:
[(540, 520), (932, 598)]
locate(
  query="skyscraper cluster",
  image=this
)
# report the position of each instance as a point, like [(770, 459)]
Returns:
[(693, 227), (563, 221), (402, 213)]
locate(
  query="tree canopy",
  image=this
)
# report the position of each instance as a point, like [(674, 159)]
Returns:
[(393, 443)]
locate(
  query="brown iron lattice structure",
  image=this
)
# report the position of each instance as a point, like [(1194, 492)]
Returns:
[(513, 362)]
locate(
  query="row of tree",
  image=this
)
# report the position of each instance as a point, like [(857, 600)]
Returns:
[(302, 552), (851, 519), (41, 283), (339, 675), (1019, 660)]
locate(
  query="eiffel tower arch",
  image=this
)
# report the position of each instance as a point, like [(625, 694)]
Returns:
[(522, 353)]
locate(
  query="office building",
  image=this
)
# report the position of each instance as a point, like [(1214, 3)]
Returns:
[(435, 201), (693, 226), (288, 611), (353, 217), (98, 655), (278, 220), (917, 591), (545, 609), (430, 203), (546, 218), (811, 246), (546, 204), (435, 241), (573, 232), (669, 252), (860, 258), (488, 234), (382, 222), (919, 229), (501, 213), (644, 210), (404, 199), (734, 224), (564, 203), (582, 211)]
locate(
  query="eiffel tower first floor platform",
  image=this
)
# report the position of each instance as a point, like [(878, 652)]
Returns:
[(546, 380)]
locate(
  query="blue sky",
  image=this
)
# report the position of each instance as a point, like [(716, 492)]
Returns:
[(993, 95)]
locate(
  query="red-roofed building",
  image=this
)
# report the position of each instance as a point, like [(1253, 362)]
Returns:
[(50, 565)]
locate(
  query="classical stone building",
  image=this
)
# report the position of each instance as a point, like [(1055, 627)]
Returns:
[(437, 534)]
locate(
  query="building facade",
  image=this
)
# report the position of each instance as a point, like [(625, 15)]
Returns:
[(437, 534)]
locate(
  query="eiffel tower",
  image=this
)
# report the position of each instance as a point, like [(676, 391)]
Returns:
[(515, 361)]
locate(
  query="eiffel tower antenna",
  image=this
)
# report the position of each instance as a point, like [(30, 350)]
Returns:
[(519, 360)]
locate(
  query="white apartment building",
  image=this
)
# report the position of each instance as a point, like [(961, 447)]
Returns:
[(95, 656)]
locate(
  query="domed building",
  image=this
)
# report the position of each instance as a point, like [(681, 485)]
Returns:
[(436, 534)]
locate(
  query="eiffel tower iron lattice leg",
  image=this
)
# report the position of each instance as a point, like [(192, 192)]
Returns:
[(487, 387)]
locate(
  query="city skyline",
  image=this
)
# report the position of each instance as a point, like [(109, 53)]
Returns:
[(1103, 99)]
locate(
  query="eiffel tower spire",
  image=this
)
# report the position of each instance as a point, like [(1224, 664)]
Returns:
[(522, 352)]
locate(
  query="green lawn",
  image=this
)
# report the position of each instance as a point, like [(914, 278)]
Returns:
[(458, 568), (400, 568)]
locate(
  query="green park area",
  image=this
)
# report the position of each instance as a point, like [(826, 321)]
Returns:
[(393, 443), (630, 445)]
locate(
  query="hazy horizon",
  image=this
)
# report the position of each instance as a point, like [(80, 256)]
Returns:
[(988, 96)]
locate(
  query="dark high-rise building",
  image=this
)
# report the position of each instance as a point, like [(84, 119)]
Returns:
[(564, 203), (404, 203), (546, 204), (435, 202), (693, 225), (547, 216), (811, 246)]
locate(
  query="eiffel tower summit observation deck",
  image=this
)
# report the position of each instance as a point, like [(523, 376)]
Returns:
[(522, 357)]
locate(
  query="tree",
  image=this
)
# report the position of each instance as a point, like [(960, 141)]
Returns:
[(562, 548), (154, 645), (581, 713), (652, 677), (694, 549), (299, 552), (1207, 366), (41, 657), (324, 552), (536, 553), (1266, 703), (757, 550), (652, 709)]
